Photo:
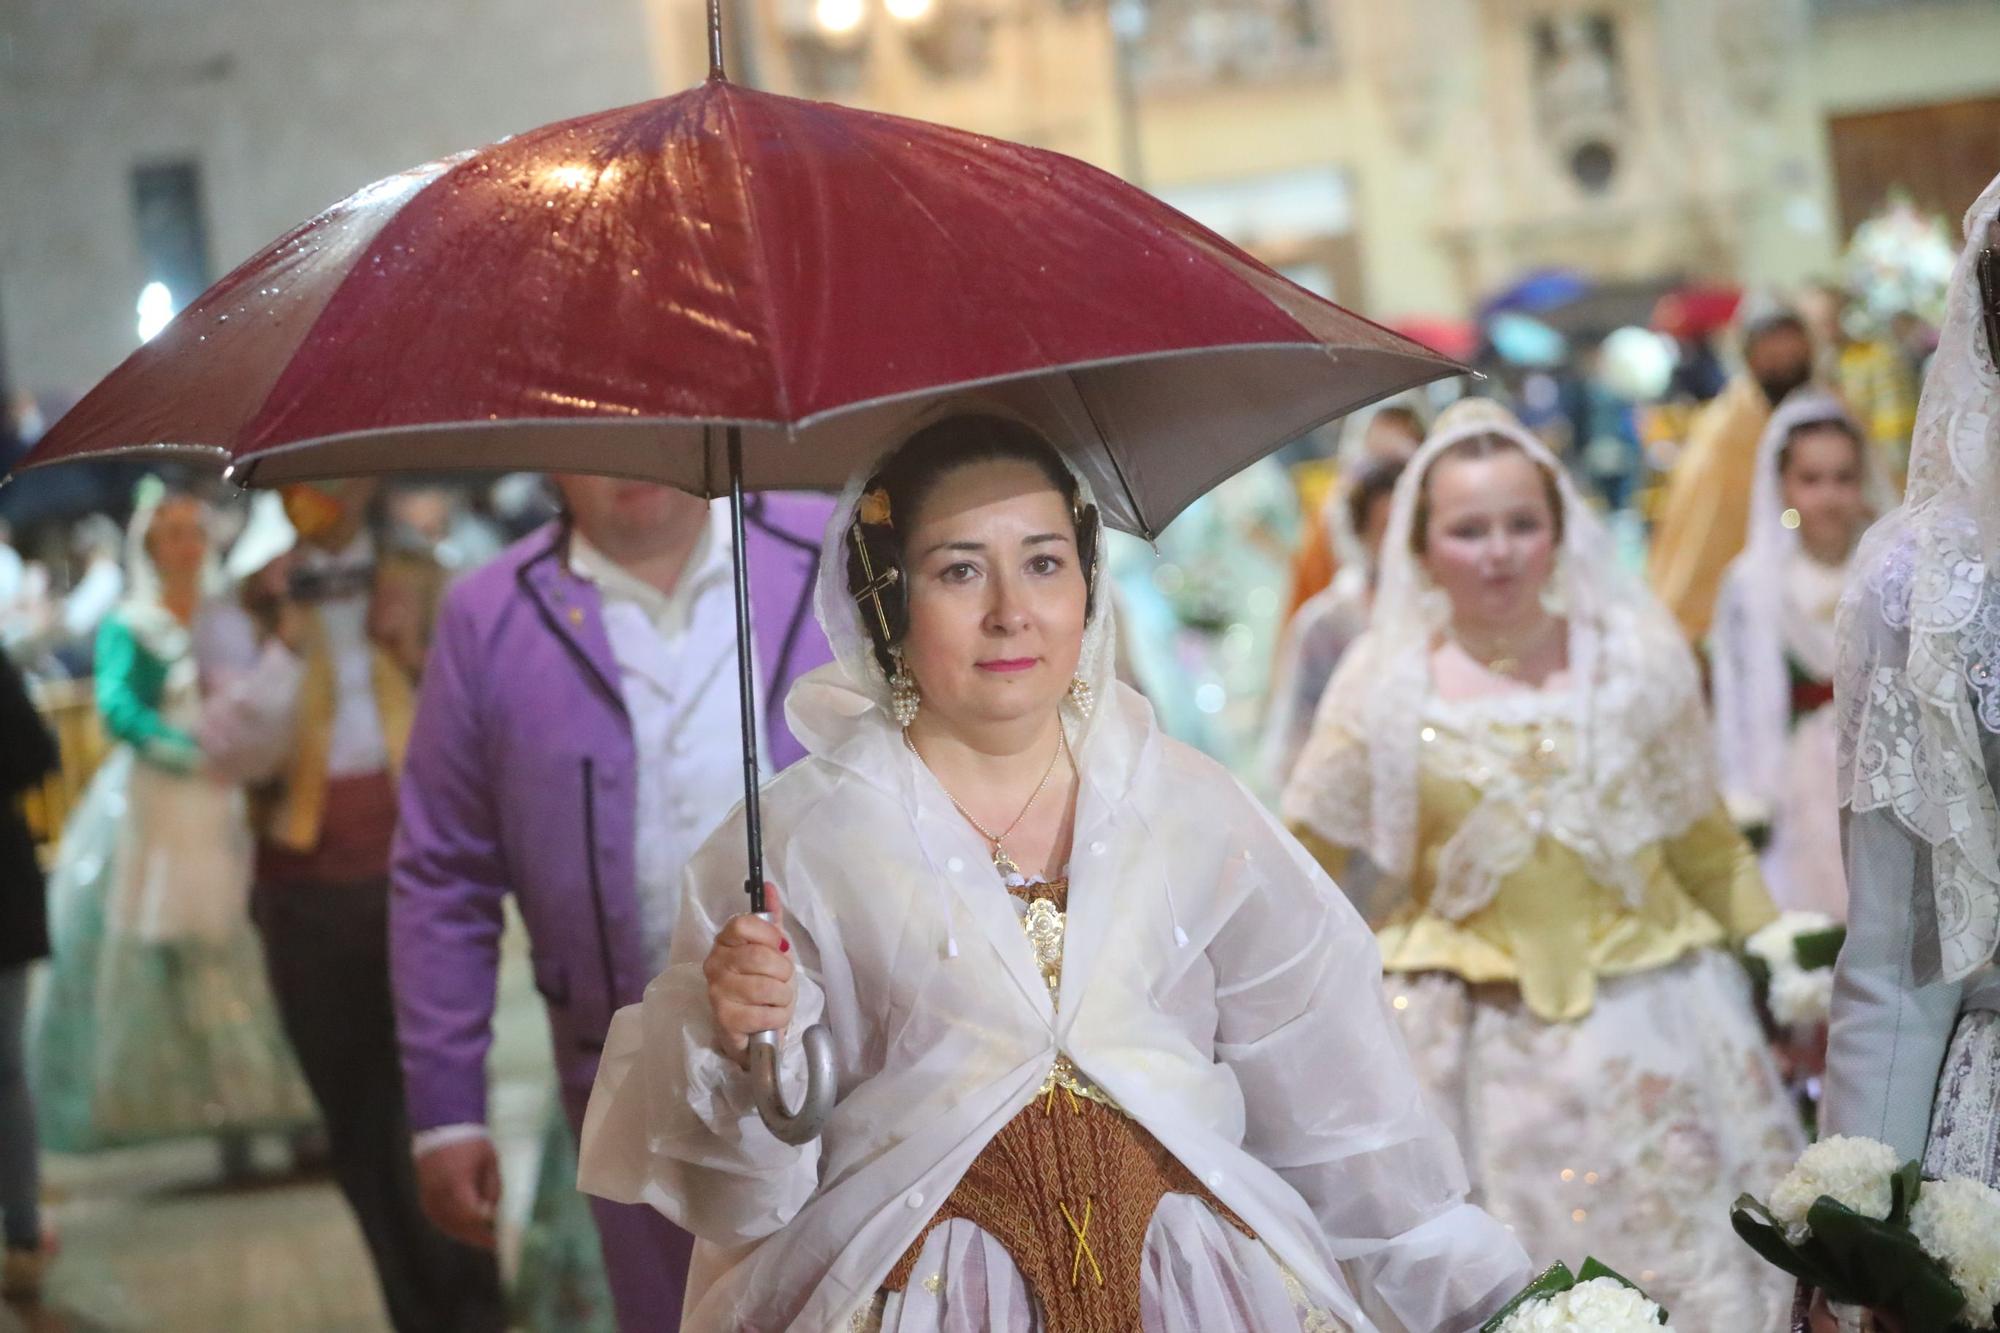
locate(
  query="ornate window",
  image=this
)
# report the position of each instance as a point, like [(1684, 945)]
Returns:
[(1181, 43)]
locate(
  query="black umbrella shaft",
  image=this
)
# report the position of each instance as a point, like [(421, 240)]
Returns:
[(746, 677)]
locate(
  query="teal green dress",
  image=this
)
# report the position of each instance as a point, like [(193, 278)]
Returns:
[(156, 1019), (561, 1287)]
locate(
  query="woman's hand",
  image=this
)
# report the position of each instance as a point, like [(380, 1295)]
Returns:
[(1801, 1055), (1823, 1320), (751, 981), (396, 621)]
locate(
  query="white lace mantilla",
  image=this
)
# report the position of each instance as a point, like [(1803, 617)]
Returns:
[(1631, 763), (1519, 752), (1918, 684), (1919, 681), (1776, 607)]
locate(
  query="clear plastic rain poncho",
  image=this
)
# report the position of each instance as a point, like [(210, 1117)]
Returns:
[(1216, 985), (1919, 634)]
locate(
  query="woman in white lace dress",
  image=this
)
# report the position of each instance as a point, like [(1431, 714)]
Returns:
[(1511, 772), (1913, 1057), (1112, 1057), (1328, 623), (1772, 643)]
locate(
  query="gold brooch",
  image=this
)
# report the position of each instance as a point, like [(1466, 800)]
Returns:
[(874, 509)]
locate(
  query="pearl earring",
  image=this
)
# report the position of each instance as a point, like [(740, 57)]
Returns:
[(904, 698)]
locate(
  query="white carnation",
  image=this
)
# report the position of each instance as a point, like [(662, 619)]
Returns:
[(1851, 1170), (1601, 1305), (1958, 1223), (1801, 999), (1774, 943)]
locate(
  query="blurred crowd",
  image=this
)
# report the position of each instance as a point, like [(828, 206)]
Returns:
[(62, 573), (1727, 448)]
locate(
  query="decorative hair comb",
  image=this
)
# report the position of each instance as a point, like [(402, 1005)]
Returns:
[(874, 584)]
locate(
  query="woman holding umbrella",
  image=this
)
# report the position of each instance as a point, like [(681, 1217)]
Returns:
[(1082, 990)]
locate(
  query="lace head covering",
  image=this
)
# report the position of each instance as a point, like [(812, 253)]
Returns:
[(841, 614), (1753, 633), (158, 628), (1642, 773), (1918, 683)]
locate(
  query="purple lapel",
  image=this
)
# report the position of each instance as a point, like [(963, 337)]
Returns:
[(782, 540), (573, 612)]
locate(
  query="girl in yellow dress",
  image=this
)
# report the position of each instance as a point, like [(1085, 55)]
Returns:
[(1511, 775)]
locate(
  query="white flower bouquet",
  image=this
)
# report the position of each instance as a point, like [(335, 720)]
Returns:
[(1792, 962), (1866, 1231), (1592, 1300)]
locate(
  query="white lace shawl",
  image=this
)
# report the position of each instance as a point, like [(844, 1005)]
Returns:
[(1642, 772), (1918, 679), (1757, 623), (159, 629)]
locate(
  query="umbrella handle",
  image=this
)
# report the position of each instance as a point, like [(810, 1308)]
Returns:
[(799, 1126), (802, 1125)]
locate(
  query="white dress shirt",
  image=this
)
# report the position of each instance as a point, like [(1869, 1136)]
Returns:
[(248, 723), (676, 654)]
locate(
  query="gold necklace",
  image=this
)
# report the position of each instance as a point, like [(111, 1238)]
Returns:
[(1503, 663), (1001, 861)]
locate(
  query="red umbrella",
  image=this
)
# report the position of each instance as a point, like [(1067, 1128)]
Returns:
[(1454, 338), (598, 294), (1697, 310), (729, 289)]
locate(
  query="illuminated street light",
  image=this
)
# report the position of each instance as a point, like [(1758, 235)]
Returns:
[(909, 11), (156, 309), (838, 17)]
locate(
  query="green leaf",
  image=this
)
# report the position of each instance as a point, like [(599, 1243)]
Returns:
[(1766, 1235), (1553, 1281), (1880, 1264), (1818, 948), (1760, 973), (1904, 1187), (1593, 1269)]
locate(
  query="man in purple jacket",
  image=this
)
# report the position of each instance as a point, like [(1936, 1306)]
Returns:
[(575, 741)]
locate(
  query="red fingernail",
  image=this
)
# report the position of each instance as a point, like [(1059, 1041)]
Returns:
[(784, 946)]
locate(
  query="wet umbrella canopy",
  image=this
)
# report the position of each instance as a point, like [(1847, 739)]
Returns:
[(729, 289)]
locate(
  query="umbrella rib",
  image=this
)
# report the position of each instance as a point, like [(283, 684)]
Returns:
[(1117, 464), (923, 210), (754, 226)]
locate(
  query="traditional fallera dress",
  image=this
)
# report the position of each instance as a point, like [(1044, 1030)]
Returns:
[(156, 1021), (1204, 611), (1772, 656), (1105, 1103), (1913, 1055), (1555, 884)]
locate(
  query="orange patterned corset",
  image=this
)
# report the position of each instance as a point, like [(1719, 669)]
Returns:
[(1068, 1187)]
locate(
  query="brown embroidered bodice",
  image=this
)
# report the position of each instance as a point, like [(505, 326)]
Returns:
[(1068, 1187)]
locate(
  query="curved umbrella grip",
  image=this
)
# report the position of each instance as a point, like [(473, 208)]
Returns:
[(803, 1125)]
